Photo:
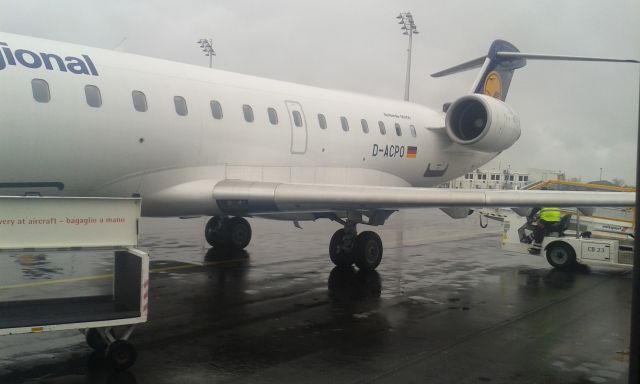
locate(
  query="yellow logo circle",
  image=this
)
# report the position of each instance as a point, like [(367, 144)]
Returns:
[(493, 85)]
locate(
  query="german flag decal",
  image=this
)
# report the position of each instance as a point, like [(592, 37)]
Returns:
[(412, 152)]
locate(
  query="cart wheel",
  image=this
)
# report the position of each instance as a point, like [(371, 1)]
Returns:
[(561, 255), (95, 340), (121, 354)]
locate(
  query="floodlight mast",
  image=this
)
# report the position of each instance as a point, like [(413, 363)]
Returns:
[(207, 48), (409, 28)]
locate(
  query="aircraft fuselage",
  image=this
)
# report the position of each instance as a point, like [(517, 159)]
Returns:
[(172, 156)]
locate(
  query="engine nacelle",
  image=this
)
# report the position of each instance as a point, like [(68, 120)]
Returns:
[(482, 123)]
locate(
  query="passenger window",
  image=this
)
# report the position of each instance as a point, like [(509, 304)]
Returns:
[(297, 118), (383, 130), (92, 93), (40, 89), (181, 105), (365, 125), (413, 130), (216, 109), (139, 101), (322, 121), (248, 113), (398, 130), (273, 116), (345, 123)]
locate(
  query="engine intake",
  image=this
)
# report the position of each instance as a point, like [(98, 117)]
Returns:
[(482, 123)]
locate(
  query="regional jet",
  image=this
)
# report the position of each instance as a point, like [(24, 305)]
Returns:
[(192, 141)]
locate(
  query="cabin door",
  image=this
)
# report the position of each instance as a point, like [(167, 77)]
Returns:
[(298, 127)]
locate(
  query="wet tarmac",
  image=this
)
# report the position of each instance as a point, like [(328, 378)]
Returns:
[(445, 306)]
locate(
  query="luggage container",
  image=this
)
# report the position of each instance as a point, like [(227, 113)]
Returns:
[(82, 226)]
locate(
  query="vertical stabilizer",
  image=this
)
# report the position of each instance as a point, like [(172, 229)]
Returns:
[(504, 58), (497, 71)]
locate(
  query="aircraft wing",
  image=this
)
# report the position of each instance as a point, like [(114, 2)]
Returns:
[(248, 197)]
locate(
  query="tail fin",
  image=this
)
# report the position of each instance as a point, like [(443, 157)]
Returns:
[(496, 73), (500, 63)]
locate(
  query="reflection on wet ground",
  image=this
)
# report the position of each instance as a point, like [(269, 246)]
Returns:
[(446, 305)]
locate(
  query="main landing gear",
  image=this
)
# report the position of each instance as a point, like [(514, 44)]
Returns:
[(233, 232), (347, 247)]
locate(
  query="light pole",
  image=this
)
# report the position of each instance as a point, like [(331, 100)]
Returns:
[(408, 28), (600, 174), (207, 48)]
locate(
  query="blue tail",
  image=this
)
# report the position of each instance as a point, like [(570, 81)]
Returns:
[(503, 58), (497, 70), (496, 78)]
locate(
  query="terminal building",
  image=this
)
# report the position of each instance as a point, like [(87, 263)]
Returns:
[(503, 178)]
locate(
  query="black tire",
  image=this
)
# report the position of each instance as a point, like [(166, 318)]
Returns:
[(121, 354), (561, 255), (239, 232), (339, 256), (214, 231), (368, 251), (95, 340)]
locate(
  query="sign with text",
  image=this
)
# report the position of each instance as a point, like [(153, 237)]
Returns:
[(68, 222)]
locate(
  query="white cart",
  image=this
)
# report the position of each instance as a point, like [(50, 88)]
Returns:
[(564, 251), (82, 225)]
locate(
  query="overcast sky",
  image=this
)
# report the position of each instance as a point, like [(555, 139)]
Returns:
[(576, 117)]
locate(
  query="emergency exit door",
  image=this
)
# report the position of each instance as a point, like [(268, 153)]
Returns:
[(298, 127)]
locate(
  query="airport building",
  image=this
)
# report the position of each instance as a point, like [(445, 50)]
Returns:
[(503, 178)]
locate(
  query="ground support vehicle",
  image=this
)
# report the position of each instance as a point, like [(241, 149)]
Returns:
[(564, 248)]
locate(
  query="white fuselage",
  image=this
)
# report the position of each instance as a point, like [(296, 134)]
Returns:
[(66, 147)]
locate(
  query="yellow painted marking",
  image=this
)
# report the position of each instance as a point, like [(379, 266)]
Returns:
[(585, 185), (37, 329), (109, 276), (493, 85)]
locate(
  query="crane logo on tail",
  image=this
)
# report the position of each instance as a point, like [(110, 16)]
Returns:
[(493, 85)]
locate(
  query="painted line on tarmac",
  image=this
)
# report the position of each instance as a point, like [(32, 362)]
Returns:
[(110, 275)]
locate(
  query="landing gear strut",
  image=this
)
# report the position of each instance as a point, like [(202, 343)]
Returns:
[(347, 247), (234, 232)]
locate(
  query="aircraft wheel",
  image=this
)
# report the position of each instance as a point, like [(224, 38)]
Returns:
[(368, 251), (95, 340), (561, 255), (239, 232), (121, 354), (214, 231), (339, 256)]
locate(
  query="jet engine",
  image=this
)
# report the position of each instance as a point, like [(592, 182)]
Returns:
[(482, 123)]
